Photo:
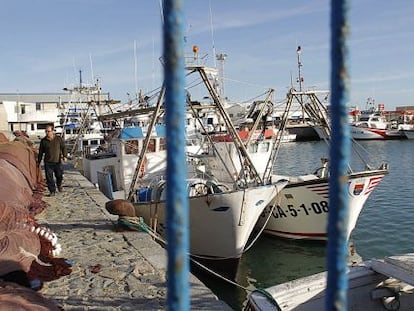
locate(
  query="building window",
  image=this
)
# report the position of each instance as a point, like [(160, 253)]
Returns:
[(38, 106)]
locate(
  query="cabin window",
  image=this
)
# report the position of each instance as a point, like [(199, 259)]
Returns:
[(151, 145), (38, 106), (131, 147), (163, 145), (42, 126)]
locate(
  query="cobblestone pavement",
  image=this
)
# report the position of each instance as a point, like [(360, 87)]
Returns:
[(132, 266)]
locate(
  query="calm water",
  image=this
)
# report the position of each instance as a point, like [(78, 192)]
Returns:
[(385, 226)]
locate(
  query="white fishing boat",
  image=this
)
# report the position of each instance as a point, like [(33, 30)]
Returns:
[(221, 218), (302, 211), (303, 206), (386, 284), (371, 124), (139, 144), (222, 214), (120, 158)]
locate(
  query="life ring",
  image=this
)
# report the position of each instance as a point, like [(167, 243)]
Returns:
[(142, 168)]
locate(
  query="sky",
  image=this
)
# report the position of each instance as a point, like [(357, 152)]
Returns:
[(45, 44)]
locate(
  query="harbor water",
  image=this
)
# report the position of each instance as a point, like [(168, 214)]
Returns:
[(385, 225)]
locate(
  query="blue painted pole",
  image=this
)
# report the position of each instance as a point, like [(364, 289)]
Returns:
[(177, 201), (337, 248)]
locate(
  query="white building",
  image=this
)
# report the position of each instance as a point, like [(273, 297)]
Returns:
[(33, 112)]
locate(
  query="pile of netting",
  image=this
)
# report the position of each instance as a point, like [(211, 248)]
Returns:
[(27, 249)]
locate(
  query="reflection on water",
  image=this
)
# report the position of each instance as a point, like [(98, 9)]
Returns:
[(280, 261), (385, 225), (270, 261), (273, 261)]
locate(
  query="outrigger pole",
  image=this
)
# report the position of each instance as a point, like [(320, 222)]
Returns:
[(232, 131), (144, 149)]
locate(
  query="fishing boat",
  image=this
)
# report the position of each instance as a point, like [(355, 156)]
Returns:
[(376, 284), (303, 206), (302, 210), (112, 168), (143, 143), (371, 124), (222, 213), (221, 218)]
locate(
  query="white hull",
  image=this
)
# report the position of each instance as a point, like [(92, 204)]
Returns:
[(409, 133), (220, 223), (365, 133), (303, 209), (369, 289), (321, 131)]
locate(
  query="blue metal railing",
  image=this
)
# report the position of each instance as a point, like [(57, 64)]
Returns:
[(177, 201), (337, 283)]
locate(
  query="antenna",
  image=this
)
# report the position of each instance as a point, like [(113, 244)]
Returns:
[(153, 65), (80, 79), (221, 58), (212, 35), (90, 60), (300, 79), (135, 68)]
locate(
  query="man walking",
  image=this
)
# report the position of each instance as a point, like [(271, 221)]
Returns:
[(54, 150)]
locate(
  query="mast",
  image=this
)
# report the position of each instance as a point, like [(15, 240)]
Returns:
[(80, 79), (300, 78), (221, 57)]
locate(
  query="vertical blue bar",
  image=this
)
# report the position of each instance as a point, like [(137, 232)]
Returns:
[(337, 283), (177, 201)]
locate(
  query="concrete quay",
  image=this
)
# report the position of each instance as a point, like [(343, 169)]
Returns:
[(111, 270)]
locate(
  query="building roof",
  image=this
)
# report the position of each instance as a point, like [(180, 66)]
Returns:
[(52, 97)]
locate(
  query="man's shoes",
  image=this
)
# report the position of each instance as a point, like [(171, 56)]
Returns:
[(52, 194), (60, 188)]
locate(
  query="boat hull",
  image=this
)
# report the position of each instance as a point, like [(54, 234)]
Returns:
[(362, 133), (368, 289), (220, 223), (302, 209), (409, 133)]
